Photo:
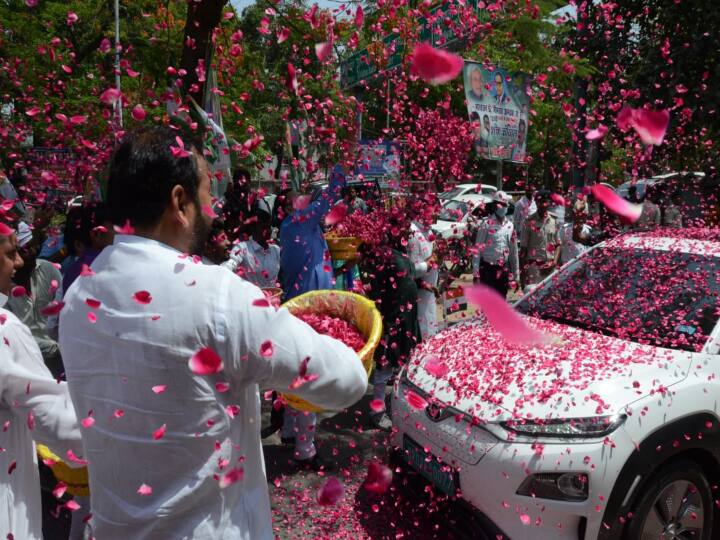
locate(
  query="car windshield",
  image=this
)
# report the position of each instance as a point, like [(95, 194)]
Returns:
[(664, 298), (451, 193), (453, 211)]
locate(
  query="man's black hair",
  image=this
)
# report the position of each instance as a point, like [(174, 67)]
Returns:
[(241, 177), (143, 172), (80, 221)]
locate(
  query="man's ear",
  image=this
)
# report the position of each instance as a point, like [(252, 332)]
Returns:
[(180, 205)]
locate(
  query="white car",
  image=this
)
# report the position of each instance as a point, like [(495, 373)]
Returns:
[(612, 431), (466, 189), (456, 215)]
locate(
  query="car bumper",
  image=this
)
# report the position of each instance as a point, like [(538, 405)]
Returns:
[(490, 471)]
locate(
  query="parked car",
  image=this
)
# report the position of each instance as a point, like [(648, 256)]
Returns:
[(613, 431), (457, 214), (466, 189)]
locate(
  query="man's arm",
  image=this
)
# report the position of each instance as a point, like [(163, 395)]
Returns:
[(30, 391), (269, 347), (316, 211)]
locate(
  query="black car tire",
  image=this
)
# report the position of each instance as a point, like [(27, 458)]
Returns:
[(649, 513)]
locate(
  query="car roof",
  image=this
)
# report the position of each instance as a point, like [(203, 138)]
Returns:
[(472, 197), (695, 240)]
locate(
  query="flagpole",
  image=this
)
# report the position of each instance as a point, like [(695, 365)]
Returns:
[(118, 103)]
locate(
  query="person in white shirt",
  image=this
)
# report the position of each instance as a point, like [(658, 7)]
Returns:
[(574, 233), (33, 407), (420, 251), (175, 451), (525, 207), (495, 254), (257, 260)]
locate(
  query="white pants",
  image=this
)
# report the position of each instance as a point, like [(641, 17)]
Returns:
[(427, 314), (301, 425)]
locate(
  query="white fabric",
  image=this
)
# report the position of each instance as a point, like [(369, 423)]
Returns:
[(114, 364), (496, 244), (256, 264), (523, 208), (569, 248), (28, 391), (420, 249)]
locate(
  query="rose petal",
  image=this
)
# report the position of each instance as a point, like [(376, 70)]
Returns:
[(629, 212), (597, 133), (18, 291), (337, 214), (331, 492), (377, 405), (159, 433), (144, 489), (53, 308), (138, 113), (230, 477), (415, 401), (503, 319), (379, 477), (205, 362), (142, 297), (160, 388), (323, 50), (266, 349), (433, 65)]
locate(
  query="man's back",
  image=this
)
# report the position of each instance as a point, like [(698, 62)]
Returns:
[(155, 421)]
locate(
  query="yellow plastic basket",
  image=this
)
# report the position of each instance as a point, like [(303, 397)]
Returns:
[(355, 309), (76, 479), (342, 248)]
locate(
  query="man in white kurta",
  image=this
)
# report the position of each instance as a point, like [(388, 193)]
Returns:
[(420, 252), (172, 453), (33, 407)]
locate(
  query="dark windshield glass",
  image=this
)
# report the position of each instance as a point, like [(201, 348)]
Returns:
[(664, 298), (453, 211)]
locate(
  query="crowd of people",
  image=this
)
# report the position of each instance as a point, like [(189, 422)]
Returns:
[(103, 328)]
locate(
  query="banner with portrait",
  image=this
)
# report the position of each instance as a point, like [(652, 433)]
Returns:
[(498, 103)]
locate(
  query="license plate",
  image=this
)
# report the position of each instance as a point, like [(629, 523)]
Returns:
[(441, 475)]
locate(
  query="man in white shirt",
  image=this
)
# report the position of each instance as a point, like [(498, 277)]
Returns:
[(496, 253), (523, 208), (166, 355), (33, 407), (257, 260), (421, 246)]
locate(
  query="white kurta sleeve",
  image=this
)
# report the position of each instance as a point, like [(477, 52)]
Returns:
[(335, 376), (30, 391)]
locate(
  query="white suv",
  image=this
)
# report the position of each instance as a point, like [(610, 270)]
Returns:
[(610, 432)]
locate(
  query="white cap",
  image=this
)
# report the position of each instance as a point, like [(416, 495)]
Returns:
[(501, 197), (24, 234)]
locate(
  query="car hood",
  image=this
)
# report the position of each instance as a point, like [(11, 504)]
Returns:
[(581, 374)]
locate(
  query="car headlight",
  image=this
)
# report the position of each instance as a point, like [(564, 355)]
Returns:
[(591, 427)]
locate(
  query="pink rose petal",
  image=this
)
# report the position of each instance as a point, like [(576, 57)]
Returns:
[(18, 291), (436, 367), (91, 302), (415, 401), (160, 388), (359, 17), (144, 489), (232, 476), (72, 505), (91, 317), (5, 230), (597, 133), (323, 50), (205, 362), (59, 490), (159, 433), (337, 214), (433, 65), (266, 349), (53, 308), (86, 271), (379, 477), (628, 212), (142, 297), (331, 492), (503, 319), (377, 405), (138, 113), (88, 422)]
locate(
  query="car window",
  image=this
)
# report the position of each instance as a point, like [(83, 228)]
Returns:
[(664, 298), (487, 190), (450, 194), (453, 211)]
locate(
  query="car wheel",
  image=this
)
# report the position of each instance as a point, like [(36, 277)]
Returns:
[(677, 504)]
